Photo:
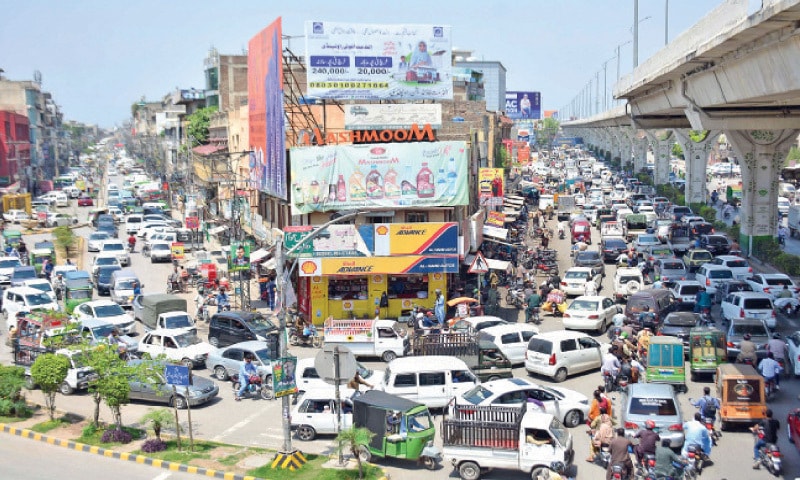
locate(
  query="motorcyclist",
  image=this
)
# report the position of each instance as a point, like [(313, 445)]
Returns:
[(22, 249), (58, 285), (696, 433), (648, 439), (532, 304), (778, 348), (245, 371), (132, 242), (702, 300), (785, 292), (665, 458), (602, 429), (747, 350), (769, 369), (782, 234), (222, 300), (175, 280), (619, 454), (646, 317), (562, 228), (611, 363), (707, 405), (769, 428)]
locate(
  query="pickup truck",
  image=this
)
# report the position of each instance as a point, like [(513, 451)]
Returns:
[(479, 438), (482, 356), (634, 225), (678, 238), (612, 229), (162, 311), (368, 338)]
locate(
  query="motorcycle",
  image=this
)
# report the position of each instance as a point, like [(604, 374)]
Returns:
[(696, 460), (613, 384), (788, 306), (174, 287), (203, 311), (769, 456), (618, 472), (300, 338), (712, 432), (705, 317), (648, 466), (255, 387), (515, 297)]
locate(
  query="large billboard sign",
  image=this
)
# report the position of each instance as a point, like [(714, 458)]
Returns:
[(408, 264), (523, 105), (381, 116), (383, 175), (348, 61), (265, 105)]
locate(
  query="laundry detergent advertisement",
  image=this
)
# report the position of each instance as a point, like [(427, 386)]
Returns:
[(378, 176), (350, 61)]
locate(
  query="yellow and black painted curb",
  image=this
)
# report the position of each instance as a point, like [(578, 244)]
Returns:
[(141, 459), (288, 460)]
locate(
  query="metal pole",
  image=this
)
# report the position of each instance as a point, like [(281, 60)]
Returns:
[(283, 341), (605, 85), (618, 47), (635, 33), (336, 379), (597, 92), (666, 22)]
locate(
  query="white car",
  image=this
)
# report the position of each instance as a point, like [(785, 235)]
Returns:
[(25, 299), (575, 279), (784, 205), (510, 339), (104, 258), (107, 311), (748, 305), (96, 240), (149, 229), (119, 249), (177, 345), (738, 265), (627, 281), (590, 313), (477, 323), (561, 353), (315, 413), (42, 285), (307, 377), (580, 200), (712, 275), (72, 191), (793, 342), (644, 241), (15, 216), (772, 283), (7, 265), (160, 252), (567, 405), (60, 220)]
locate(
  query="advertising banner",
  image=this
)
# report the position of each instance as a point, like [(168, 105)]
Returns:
[(348, 61), (265, 105), (383, 175), (410, 264), (392, 116), (336, 241), (284, 381), (192, 223), (177, 250), (490, 186), (496, 219), (240, 258), (523, 105), (416, 239)]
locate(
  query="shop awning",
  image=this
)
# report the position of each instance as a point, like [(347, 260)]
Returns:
[(495, 232), (270, 264), (497, 264), (217, 230), (259, 255), (208, 149)]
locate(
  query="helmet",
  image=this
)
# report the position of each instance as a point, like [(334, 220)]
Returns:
[(776, 335), (623, 335), (420, 315), (650, 424), (558, 467), (646, 308), (747, 336)]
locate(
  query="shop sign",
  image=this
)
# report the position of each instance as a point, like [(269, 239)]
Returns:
[(409, 264), (379, 176), (496, 219), (414, 133), (375, 116), (177, 250), (335, 241), (490, 186), (416, 238)]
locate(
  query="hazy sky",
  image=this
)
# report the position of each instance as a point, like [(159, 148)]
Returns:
[(99, 57)]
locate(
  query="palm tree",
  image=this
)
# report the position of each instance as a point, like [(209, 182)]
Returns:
[(354, 438)]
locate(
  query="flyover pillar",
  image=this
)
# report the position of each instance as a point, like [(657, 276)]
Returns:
[(761, 154), (639, 154), (696, 153), (662, 142)]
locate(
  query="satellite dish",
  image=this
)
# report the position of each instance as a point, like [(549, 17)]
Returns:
[(325, 364)]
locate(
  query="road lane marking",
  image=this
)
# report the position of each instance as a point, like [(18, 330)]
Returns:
[(237, 426), (163, 476)]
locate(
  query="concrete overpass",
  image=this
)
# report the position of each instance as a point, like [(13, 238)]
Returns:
[(731, 73)]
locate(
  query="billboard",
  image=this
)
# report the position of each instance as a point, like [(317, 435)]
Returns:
[(408, 264), (349, 61), (523, 105), (265, 104), (381, 175), (392, 116), (490, 186)]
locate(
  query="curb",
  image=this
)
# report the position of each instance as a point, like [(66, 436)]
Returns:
[(141, 459)]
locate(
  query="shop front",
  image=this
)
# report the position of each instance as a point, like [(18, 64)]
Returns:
[(395, 267)]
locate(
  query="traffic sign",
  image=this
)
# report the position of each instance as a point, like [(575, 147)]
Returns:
[(479, 264), (325, 364)]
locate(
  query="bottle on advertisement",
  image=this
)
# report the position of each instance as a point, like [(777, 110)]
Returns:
[(341, 189), (357, 191), (426, 187), (374, 183), (391, 189)]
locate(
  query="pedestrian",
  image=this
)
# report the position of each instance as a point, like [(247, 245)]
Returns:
[(438, 307), (271, 286)]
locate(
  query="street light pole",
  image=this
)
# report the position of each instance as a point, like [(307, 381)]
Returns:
[(635, 33), (666, 22)]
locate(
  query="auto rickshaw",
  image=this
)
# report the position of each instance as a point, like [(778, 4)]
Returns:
[(707, 350), (11, 238), (740, 389), (76, 292), (665, 362), (402, 428), (37, 257)]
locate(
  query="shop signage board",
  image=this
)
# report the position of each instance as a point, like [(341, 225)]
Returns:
[(379, 176), (490, 186), (496, 219), (409, 264), (350, 61), (336, 241), (374, 116)]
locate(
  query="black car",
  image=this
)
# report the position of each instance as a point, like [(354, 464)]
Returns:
[(612, 248), (102, 279), (724, 288), (716, 244), (591, 259), (678, 324), (700, 229), (227, 328)]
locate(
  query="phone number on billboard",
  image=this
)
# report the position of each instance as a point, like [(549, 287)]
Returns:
[(348, 84)]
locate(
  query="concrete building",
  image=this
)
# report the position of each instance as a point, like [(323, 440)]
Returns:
[(226, 81), (494, 80), (15, 147)]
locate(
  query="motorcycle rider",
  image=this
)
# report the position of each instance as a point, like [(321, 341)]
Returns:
[(611, 363), (665, 458), (769, 368), (175, 280), (132, 242), (532, 305), (619, 454), (603, 432), (222, 300), (747, 350), (778, 348), (702, 300), (648, 439), (200, 301), (646, 317), (58, 285), (696, 434), (707, 405), (245, 371), (769, 428), (785, 292)]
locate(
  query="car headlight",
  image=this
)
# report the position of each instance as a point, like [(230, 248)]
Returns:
[(195, 393)]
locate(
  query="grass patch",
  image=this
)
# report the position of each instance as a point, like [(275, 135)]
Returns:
[(93, 436), (313, 471), (202, 450), (44, 427), (4, 419)]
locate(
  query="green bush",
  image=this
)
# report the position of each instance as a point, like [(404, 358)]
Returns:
[(766, 249), (788, 263), (12, 403), (709, 213), (644, 178)]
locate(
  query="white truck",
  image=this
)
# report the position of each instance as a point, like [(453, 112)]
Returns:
[(794, 221), (368, 338), (479, 438), (566, 204), (612, 229)]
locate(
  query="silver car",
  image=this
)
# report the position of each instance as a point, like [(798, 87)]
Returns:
[(160, 252), (656, 402), (96, 240), (670, 269), (155, 388), (226, 362)]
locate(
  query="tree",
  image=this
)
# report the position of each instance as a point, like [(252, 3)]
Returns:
[(354, 438), (547, 131), (49, 371), (198, 124), (793, 156), (159, 418)]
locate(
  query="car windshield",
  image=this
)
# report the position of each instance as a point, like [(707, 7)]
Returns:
[(24, 274), (106, 261), (588, 257), (717, 241), (651, 406), (648, 239), (584, 306), (9, 263), (720, 274), (104, 311), (571, 274), (79, 294), (42, 286), (37, 299), (614, 243), (673, 266), (559, 431), (754, 329), (757, 304), (477, 395), (98, 236), (681, 320), (629, 278), (112, 247), (160, 246), (689, 290), (419, 421), (125, 284), (178, 321), (261, 323), (737, 264), (701, 255), (263, 356), (187, 339)]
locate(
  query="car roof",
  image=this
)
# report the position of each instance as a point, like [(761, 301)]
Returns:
[(173, 331), (713, 266), (92, 322), (657, 390), (752, 295), (627, 271), (252, 345), (561, 335), (482, 318), (24, 290), (511, 327), (508, 384), (101, 303), (679, 283), (774, 276), (427, 362), (727, 258), (105, 255), (592, 298), (580, 269)]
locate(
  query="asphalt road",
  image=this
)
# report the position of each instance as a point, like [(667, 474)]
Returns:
[(257, 422)]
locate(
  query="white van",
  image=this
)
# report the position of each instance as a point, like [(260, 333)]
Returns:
[(27, 299), (133, 223), (430, 380), (511, 339)]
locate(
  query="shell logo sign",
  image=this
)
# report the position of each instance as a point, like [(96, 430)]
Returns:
[(309, 267), (382, 230)]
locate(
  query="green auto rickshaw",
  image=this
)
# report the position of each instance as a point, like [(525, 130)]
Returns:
[(665, 362), (707, 350), (76, 292), (402, 428), (11, 238), (37, 257)]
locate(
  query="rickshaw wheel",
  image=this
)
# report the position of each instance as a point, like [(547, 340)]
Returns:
[(364, 454), (429, 463), (470, 471), (537, 473)]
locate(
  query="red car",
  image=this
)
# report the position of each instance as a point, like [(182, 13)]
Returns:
[(793, 427), (85, 201), (581, 231)]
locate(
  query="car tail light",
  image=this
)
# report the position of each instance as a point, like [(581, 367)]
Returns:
[(732, 345), (766, 290), (750, 269), (683, 278), (773, 313), (741, 313), (552, 359), (594, 317), (526, 354), (675, 428), (631, 426), (708, 282), (563, 284)]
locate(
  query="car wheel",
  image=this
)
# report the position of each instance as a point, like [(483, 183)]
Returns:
[(65, 389), (469, 471), (220, 372), (561, 375), (573, 418), (306, 433), (364, 454), (388, 356), (494, 377), (187, 363), (178, 402), (214, 341)]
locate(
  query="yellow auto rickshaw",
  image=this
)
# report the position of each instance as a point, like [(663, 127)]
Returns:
[(740, 389)]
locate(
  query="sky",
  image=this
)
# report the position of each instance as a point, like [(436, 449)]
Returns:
[(99, 57)]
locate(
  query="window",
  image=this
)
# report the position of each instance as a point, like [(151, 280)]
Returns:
[(233, 354), (568, 345), (154, 340), (373, 220), (405, 380), (386, 333), (587, 342), (237, 325), (507, 338), (527, 335), (461, 376), (510, 398), (310, 373), (416, 217), (431, 379), (652, 406)]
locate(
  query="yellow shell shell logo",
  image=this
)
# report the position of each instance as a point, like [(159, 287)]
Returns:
[(347, 305), (308, 267), (349, 338), (382, 230), (437, 276)]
